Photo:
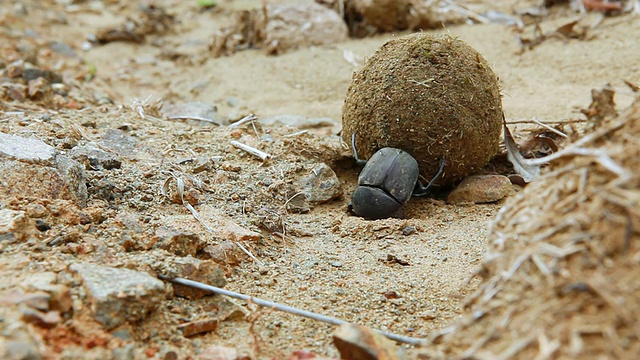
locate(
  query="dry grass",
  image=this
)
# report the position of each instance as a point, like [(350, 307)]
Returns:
[(561, 278)]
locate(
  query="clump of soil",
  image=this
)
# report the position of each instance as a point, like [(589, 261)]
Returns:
[(571, 240), (431, 95)]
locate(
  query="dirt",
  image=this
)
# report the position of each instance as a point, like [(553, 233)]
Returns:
[(381, 274)]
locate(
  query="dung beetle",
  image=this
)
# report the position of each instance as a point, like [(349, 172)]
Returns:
[(387, 181)]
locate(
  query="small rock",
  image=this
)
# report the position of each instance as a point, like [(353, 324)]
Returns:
[(298, 121), (37, 300), (59, 295), (203, 271), (321, 185), (33, 180), (223, 227), (226, 253), (72, 174), (39, 318), (201, 164), (125, 145), (119, 295), (20, 350), (335, 263), (14, 225), (36, 210), (297, 202), (179, 242), (292, 26), (199, 326), (35, 73), (481, 189), (94, 158), (359, 342), (29, 167), (26, 149), (409, 230), (42, 225)]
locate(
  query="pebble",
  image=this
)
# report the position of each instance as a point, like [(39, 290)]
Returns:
[(21, 350), (409, 230), (32, 168), (358, 342), (119, 295), (481, 189), (59, 294), (14, 225), (321, 185), (204, 271), (292, 26), (94, 158), (177, 241)]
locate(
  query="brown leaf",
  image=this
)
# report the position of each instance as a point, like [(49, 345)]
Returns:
[(198, 327)]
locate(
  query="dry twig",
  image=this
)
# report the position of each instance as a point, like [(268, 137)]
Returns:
[(251, 150), (285, 308)]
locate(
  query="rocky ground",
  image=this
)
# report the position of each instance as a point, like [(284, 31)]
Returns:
[(119, 167)]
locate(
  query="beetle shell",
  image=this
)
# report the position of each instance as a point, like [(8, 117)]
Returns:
[(385, 183), (374, 203)]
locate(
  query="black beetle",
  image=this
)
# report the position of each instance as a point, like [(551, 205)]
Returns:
[(387, 181)]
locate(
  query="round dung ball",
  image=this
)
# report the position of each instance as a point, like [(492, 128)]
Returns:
[(432, 96)]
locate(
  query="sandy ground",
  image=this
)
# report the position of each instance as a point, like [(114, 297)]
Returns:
[(328, 261)]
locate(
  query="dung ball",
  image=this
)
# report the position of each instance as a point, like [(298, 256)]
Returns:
[(432, 96)]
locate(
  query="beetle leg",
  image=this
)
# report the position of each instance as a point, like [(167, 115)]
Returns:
[(355, 152), (421, 190)]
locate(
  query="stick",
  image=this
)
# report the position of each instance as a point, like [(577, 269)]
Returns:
[(285, 308), (249, 118), (198, 118), (253, 151), (248, 253)]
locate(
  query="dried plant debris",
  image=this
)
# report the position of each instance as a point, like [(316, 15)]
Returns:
[(151, 19), (574, 29), (571, 238), (608, 7), (278, 28), (527, 171), (602, 107)]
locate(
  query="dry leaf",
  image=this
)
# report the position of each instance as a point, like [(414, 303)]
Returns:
[(520, 165)]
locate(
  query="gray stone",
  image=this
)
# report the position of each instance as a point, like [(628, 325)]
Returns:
[(72, 174), (321, 185), (481, 189), (121, 142), (94, 158), (298, 121), (118, 295), (26, 149)]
